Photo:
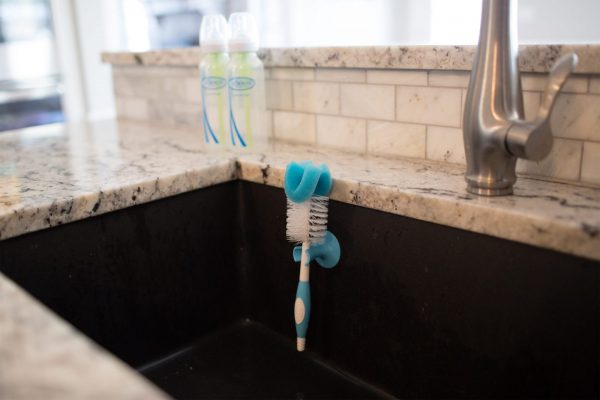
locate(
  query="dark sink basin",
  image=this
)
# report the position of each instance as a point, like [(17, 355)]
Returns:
[(248, 360), (196, 292)]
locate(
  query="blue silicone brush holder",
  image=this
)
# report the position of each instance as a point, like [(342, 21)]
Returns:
[(304, 180), (326, 254)]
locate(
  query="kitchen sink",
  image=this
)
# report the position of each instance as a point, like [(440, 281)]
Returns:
[(247, 359), (196, 292)]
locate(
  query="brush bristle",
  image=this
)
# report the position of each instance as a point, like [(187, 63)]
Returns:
[(298, 217), (307, 221)]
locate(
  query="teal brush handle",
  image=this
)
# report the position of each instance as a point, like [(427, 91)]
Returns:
[(327, 254), (302, 304), (302, 313)]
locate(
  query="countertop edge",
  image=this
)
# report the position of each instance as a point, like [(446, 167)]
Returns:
[(108, 166), (56, 361), (426, 205), (532, 58), (92, 204), (569, 238)]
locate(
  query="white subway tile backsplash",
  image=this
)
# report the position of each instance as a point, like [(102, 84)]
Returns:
[(278, 94), (126, 70), (426, 105), (162, 111), (531, 104), (576, 84), (590, 166), (186, 108), (405, 113), (577, 117), (155, 71), (123, 85), (294, 127), (173, 88), (396, 139), (193, 91), (341, 75), (462, 105), (150, 87), (562, 163), (269, 123), (445, 144), (132, 108), (317, 97), (187, 114), (397, 77), (293, 74), (367, 101), (175, 71), (456, 79), (538, 82), (342, 133), (534, 81), (595, 85)]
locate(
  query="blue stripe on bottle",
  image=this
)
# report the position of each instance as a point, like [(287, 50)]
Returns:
[(208, 127), (205, 129), (237, 132), (206, 123), (233, 125)]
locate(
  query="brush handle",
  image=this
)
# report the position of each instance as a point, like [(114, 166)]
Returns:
[(302, 304)]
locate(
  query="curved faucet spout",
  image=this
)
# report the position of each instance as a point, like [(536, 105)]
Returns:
[(494, 128)]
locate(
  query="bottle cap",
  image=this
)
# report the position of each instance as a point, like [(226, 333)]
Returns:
[(244, 33), (214, 34)]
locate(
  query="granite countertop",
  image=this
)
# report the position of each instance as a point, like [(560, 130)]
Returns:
[(57, 174), (532, 58), (88, 170), (43, 357)]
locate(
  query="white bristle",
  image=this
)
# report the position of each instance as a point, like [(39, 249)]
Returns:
[(298, 217), (307, 221)]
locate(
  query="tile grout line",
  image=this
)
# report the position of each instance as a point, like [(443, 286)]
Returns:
[(463, 104), (339, 94), (581, 162), (395, 103), (272, 124), (587, 84), (367, 136), (426, 142), (316, 130)]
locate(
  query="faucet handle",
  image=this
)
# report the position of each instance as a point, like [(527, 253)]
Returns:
[(533, 140), (558, 76)]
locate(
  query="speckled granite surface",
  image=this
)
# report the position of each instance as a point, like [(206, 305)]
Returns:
[(551, 215), (53, 175), (58, 174), (93, 169), (42, 357), (533, 58)]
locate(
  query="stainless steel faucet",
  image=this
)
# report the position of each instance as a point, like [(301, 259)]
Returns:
[(494, 129)]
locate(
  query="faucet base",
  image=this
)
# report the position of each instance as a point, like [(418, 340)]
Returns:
[(490, 192)]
